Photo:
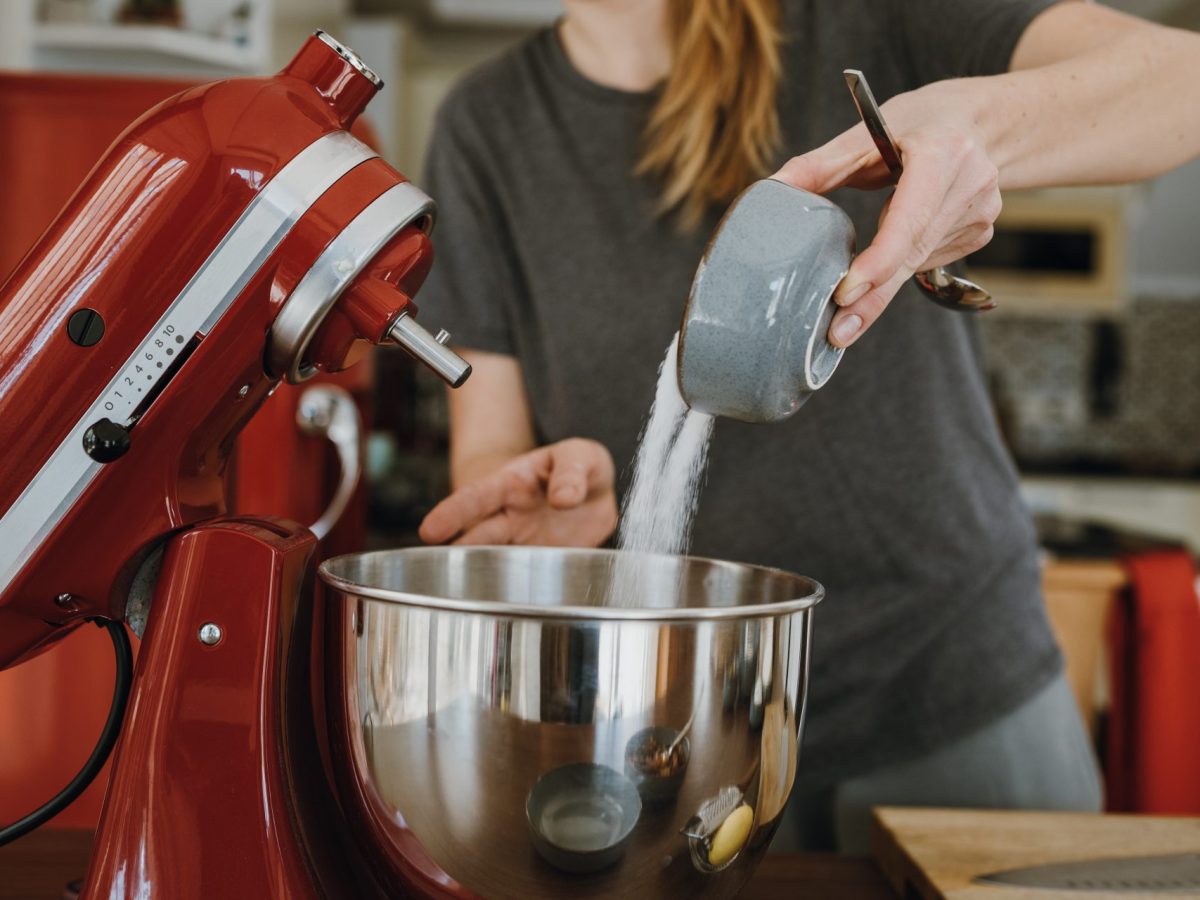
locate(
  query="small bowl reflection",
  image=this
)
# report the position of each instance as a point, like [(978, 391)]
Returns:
[(656, 783), (580, 816)]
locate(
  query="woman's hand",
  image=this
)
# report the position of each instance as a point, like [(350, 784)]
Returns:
[(942, 209), (559, 495)]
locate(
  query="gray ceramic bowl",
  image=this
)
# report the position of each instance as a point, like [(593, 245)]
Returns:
[(753, 344)]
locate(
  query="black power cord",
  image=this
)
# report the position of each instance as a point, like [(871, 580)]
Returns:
[(104, 746)]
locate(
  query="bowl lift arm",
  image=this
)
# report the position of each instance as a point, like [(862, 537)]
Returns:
[(234, 236)]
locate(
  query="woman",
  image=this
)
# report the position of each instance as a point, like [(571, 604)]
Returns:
[(579, 178)]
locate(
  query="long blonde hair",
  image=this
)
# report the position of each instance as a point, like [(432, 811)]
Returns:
[(716, 127)]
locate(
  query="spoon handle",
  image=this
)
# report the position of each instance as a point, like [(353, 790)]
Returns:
[(872, 117), (937, 284)]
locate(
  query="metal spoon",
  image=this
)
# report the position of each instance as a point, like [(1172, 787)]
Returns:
[(666, 754), (937, 284)]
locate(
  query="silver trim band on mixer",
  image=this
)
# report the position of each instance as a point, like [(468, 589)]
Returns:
[(224, 274), (345, 257)]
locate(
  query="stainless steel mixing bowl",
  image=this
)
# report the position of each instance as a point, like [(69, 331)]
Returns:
[(468, 674)]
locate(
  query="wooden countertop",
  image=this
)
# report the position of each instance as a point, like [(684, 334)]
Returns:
[(37, 866), (936, 854)]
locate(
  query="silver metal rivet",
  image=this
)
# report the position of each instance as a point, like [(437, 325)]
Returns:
[(243, 391), (66, 601), (210, 633)]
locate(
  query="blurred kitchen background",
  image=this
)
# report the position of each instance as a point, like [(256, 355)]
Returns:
[(1093, 355)]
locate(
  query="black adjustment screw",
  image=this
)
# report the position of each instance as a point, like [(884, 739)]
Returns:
[(69, 602), (85, 327), (105, 441)]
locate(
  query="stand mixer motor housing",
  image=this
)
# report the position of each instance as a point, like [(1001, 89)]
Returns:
[(234, 235)]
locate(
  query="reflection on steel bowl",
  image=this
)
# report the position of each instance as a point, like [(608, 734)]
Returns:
[(656, 763), (459, 677), (580, 816)]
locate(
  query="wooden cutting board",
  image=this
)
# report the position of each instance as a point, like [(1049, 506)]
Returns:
[(936, 853)]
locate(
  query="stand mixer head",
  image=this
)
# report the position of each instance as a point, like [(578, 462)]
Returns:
[(234, 235)]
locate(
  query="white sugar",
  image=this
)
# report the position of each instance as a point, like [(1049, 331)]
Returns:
[(659, 509)]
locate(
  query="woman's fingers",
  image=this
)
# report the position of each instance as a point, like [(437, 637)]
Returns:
[(907, 234), (577, 469), (561, 476), (472, 502), (832, 164), (848, 324), (959, 245), (497, 529)]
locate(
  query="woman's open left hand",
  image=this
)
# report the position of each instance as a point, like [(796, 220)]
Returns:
[(559, 495), (943, 207)]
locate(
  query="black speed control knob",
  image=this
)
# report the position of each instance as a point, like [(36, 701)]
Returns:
[(105, 441)]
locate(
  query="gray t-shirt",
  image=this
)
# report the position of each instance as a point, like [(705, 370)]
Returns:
[(890, 486)]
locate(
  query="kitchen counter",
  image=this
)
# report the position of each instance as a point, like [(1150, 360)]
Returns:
[(37, 866)]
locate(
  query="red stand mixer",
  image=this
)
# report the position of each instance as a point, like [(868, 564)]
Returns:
[(437, 722), (234, 235)]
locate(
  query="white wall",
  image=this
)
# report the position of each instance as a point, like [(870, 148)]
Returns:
[(1167, 246), (16, 34), (1166, 261), (437, 58)]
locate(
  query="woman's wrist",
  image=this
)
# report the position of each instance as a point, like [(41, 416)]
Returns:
[(970, 108)]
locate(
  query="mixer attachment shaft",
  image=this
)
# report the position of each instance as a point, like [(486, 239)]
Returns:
[(430, 350)]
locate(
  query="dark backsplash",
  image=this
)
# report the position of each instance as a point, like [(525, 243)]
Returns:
[(1119, 396), (411, 418)]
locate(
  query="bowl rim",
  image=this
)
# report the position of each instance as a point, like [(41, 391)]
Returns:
[(769, 610)]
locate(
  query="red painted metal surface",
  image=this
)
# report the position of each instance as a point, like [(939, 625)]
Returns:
[(217, 788), (127, 243), (53, 129), (222, 782)]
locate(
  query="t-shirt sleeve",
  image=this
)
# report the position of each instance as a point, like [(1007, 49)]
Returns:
[(961, 38), (473, 273)]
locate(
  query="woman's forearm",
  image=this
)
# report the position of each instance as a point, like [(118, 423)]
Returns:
[(1121, 112), (1093, 97)]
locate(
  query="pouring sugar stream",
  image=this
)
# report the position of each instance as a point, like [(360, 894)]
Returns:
[(753, 343), (752, 346)]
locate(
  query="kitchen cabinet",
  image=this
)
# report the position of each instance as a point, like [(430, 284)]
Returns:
[(213, 38), (1079, 597)]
